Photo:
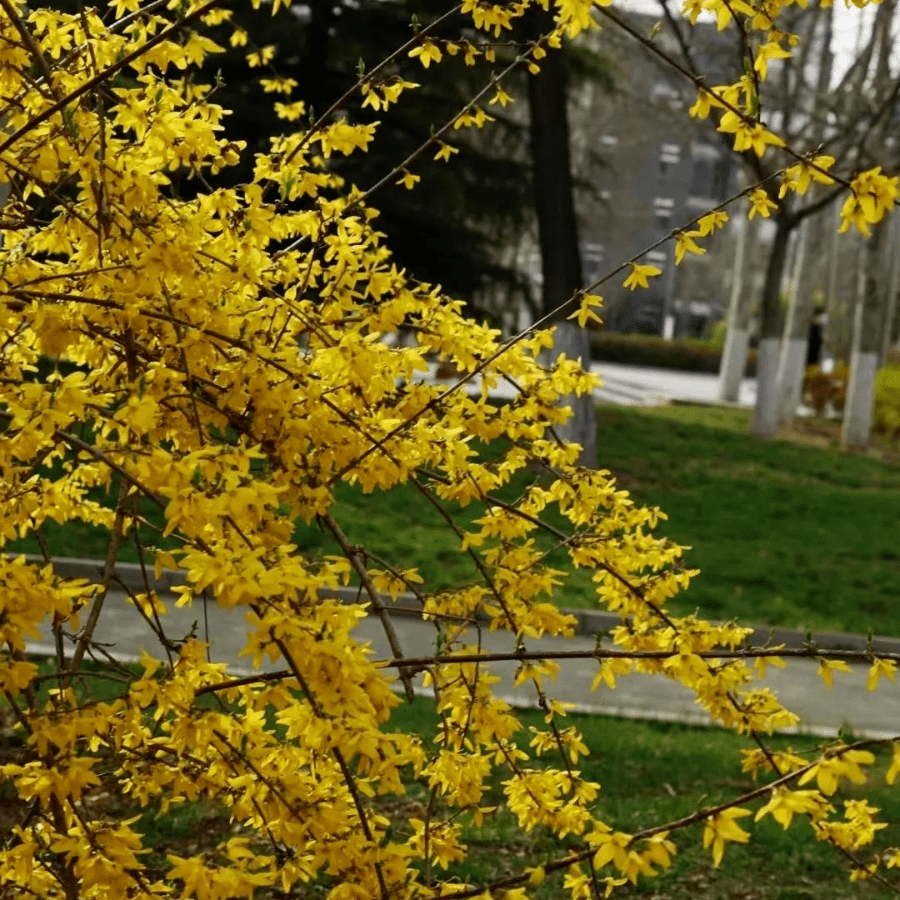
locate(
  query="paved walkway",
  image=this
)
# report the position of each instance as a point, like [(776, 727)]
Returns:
[(643, 386), (655, 386), (822, 712)]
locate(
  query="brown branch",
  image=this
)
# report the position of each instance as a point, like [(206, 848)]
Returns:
[(432, 140), (677, 824), (339, 758), (107, 73), (367, 77), (354, 556), (699, 83), (853, 656), (599, 653), (112, 554), (511, 342)]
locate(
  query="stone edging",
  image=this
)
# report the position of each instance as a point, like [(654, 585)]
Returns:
[(590, 622)]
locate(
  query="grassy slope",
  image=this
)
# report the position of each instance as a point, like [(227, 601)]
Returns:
[(784, 533), (651, 773)]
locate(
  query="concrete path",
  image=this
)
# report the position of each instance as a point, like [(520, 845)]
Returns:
[(640, 386), (822, 712), (665, 385)]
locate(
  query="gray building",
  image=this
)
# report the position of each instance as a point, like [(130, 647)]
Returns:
[(661, 171)]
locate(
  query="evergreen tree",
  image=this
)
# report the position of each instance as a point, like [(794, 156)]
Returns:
[(452, 236)]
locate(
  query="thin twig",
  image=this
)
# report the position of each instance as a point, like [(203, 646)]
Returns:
[(107, 73), (109, 567), (354, 556)]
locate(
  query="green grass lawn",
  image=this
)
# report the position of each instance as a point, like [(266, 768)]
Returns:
[(784, 533), (652, 773), (787, 533)]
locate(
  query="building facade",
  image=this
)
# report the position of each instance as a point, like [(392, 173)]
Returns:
[(662, 170)]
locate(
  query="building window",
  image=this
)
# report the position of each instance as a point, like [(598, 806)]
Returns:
[(663, 208), (591, 261), (669, 155), (711, 171)]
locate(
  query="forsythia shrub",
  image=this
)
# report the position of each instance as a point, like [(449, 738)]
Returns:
[(218, 362)]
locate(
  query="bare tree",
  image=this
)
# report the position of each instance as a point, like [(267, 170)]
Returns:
[(808, 111)]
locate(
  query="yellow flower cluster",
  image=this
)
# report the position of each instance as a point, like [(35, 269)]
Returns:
[(229, 358)]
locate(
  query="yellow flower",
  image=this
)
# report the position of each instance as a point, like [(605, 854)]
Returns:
[(692, 9), (262, 57), (500, 97), (711, 222), (722, 828), (612, 847), (784, 803), (829, 770), (704, 104), (873, 195), (445, 152), (278, 85), (881, 668), (761, 204), (894, 770), (474, 119), (685, 243), (427, 52), (408, 180), (769, 50), (828, 666), (585, 311), (639, 275)]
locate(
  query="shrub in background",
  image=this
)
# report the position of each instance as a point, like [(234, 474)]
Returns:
[(683, 354), (887, 401), (826, 392)]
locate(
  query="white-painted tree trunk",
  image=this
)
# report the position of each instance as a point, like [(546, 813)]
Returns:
[(737, 335), (734, 361), (790, 376), (865, 344), (857, 425), (795, 336), (893, 264), (765, 416), (581, 427)]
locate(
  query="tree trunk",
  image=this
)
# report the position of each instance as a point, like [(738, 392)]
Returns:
[(893, 267), (737, 334), (829, 349), (765, 416), (795, 339), (865, 346), (557, 225)]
